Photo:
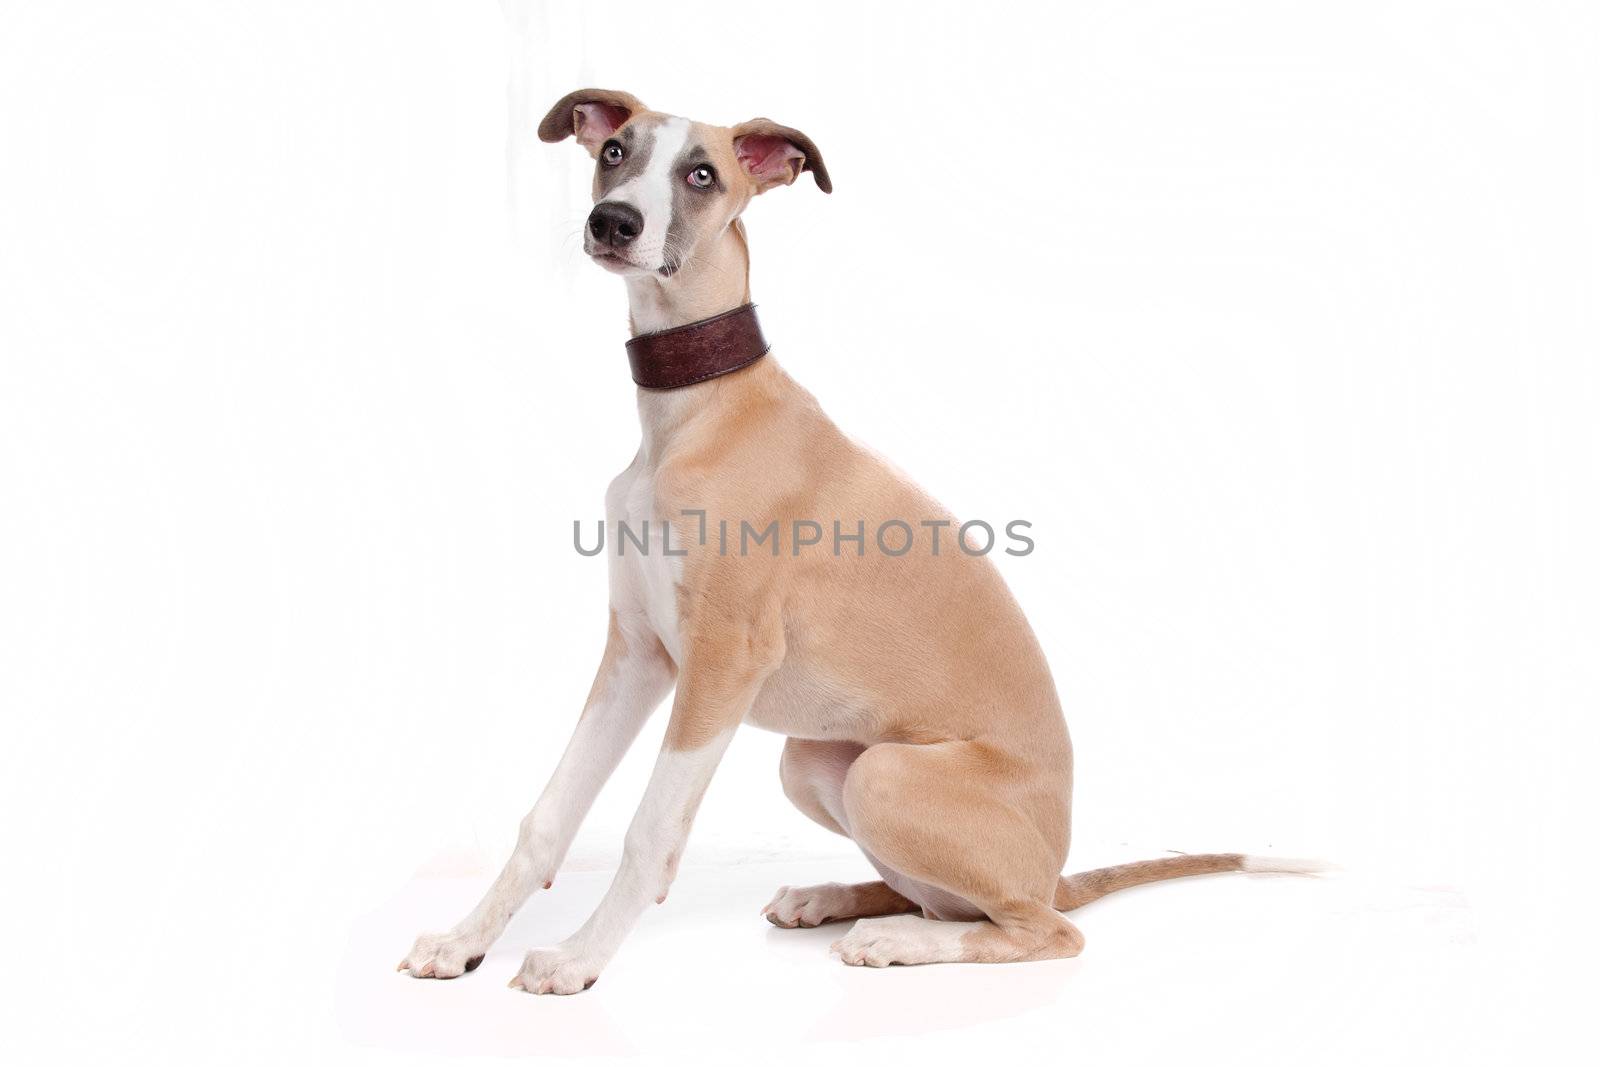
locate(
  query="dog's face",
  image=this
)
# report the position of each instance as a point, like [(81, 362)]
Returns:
[(663, 184)]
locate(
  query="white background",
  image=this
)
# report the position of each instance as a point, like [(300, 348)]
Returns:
[(1278, 321)]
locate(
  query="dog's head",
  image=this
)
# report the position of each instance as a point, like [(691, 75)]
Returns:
[(663, 184)]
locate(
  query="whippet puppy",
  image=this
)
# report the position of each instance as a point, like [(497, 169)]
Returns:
[(922, 720)]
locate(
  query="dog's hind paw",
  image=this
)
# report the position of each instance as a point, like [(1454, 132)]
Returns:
[(810, 905), (903, 939), (441, 956)]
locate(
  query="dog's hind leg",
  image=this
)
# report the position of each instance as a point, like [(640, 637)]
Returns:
[(981, 828), (813, 775)]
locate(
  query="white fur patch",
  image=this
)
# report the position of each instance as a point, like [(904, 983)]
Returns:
[(652, 190), (644, 581), (1282, 865), (810, 905), (905, 939)]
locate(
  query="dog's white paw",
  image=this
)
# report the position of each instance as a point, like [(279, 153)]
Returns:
[(897, 939), (442, 956), (810, 905), (555, 970)]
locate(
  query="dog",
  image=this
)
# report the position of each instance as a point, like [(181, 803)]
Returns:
[(921, 716)]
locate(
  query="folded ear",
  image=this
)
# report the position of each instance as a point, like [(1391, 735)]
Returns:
[(776, 155), (590, 115)]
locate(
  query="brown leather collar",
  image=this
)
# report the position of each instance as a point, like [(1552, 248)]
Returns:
[(699, 351)]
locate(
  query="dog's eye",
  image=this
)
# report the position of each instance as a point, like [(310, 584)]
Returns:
[(702, 177), (611, 154)]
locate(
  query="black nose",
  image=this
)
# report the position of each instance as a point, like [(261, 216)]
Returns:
[(615, 224)]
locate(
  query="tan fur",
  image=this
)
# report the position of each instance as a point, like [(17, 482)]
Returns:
[(1086, 886)]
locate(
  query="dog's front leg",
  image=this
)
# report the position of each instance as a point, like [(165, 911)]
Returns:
[(719, 679), (635, 673)]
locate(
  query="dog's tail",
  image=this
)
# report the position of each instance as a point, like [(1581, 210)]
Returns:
[(1074, 891)]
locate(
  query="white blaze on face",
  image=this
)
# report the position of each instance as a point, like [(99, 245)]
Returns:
[(651, 191)]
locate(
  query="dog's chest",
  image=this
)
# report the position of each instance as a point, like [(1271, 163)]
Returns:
[(800, 700), (644, 578)]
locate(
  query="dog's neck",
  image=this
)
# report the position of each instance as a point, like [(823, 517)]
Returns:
[(716, 278)]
